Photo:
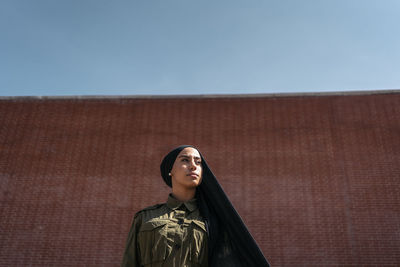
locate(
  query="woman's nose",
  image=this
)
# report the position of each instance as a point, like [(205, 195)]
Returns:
[(193, 165)]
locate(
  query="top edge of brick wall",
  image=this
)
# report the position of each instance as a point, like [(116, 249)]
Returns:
[(255, 95)]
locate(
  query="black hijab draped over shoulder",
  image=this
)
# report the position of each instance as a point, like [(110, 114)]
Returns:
[(230, 242)]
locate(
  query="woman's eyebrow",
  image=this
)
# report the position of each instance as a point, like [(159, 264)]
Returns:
[(186, 156)]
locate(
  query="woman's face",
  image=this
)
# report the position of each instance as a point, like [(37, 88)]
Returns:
[(187, 170)]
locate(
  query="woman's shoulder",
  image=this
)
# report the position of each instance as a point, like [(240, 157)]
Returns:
[(152, 208), (151, 211)]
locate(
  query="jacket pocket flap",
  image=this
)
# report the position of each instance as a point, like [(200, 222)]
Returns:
[(200, 224), (153, 224)]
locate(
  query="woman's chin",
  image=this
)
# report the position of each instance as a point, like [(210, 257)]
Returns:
[(193, 183)]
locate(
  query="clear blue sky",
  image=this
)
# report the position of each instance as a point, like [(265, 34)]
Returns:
[(154, 47)]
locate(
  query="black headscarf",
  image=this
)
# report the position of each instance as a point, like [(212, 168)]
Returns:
[(230, 242)]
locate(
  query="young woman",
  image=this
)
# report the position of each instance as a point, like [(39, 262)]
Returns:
[(197, 226)]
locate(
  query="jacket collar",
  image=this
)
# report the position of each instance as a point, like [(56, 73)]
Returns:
[(174, 204)]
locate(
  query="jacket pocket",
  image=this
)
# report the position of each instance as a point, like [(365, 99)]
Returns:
[(152, 240), (198, 246)]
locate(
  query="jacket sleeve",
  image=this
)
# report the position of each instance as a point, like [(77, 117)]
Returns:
[(131, 254)]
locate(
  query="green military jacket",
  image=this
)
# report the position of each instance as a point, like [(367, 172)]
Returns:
[(172, 234)]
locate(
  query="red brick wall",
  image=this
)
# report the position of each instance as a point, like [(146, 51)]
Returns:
[(316, 178)]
